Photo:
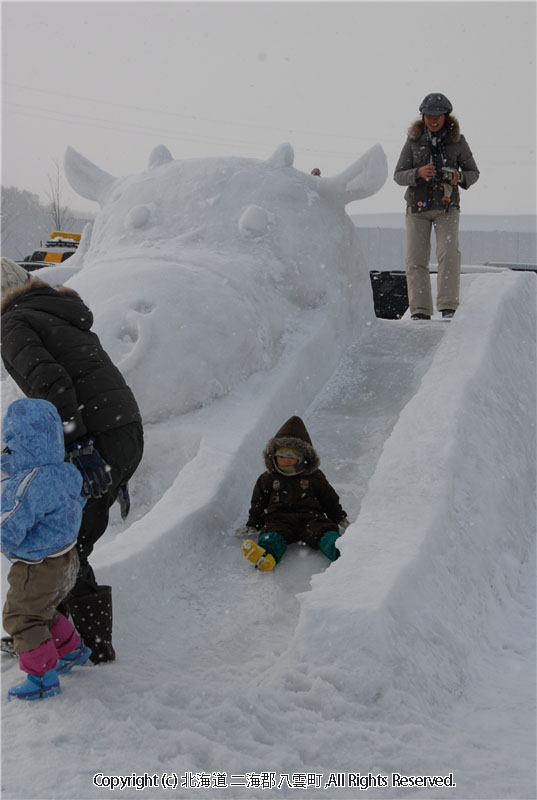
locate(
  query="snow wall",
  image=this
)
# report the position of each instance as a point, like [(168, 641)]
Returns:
[(448, 521)]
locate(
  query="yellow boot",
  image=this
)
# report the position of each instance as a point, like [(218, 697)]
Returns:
[(257, 555)]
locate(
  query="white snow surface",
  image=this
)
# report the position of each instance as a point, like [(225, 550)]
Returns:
[(232, 294)]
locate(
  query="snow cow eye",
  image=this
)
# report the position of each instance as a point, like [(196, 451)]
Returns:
[(253, 221), (138, 217)]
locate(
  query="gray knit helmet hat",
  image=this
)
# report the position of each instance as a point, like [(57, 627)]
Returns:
[(435, 104), (12, 275)]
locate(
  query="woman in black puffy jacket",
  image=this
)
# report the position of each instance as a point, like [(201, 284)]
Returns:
[(50, 351)]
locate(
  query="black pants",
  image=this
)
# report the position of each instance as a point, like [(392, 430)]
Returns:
[(308, 527), (122, 449)]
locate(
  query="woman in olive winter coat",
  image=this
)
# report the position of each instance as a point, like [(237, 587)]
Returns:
[(292, 501), (51, 352), (435, 162)]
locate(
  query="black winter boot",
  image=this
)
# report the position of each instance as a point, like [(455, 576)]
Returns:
[(92, 617)]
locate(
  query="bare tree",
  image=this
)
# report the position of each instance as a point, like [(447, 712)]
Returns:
[(59, 211), (24, 221)]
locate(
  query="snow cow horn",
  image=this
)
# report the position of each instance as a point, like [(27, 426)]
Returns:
[(362, 179), (85, 178)]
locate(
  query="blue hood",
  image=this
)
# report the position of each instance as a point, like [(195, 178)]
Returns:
[(34, 434), (41, 500)]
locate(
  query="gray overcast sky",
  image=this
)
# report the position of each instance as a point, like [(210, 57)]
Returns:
[(114, 79)]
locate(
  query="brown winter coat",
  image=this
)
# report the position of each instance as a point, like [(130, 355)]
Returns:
[(417, 152), (302, 506)]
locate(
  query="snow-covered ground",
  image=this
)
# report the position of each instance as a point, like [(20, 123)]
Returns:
[(414, 653)]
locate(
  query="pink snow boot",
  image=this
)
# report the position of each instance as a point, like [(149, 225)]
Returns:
[(42, 680), (64, 635), (71, 650)]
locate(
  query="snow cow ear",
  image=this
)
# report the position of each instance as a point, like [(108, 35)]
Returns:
[(362, 179), (283, 156), (159, 155), (85, 178)]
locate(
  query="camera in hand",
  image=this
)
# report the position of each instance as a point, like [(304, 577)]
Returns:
[(450, 175)]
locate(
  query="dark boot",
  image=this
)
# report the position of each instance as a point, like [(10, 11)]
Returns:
[(92, 617)]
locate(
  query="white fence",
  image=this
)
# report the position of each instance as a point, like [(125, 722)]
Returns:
[(384, 247)]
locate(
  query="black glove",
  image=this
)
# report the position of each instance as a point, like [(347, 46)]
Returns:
[(96, 474)]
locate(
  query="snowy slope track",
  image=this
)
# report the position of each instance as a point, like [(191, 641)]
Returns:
[(349, 421), (353, 415)]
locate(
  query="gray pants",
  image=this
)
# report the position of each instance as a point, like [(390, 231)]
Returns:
[(418, 253)]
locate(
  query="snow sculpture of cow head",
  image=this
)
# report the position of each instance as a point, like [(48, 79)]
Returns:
[(192, 261)]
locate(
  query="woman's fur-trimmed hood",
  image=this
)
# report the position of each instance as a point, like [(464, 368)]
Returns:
[(293, 434), (417, 129), (31, 285)]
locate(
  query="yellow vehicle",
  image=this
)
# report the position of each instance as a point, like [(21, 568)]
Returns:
[(59, 247)]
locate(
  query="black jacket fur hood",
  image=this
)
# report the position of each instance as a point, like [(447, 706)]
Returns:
[(417, 129)]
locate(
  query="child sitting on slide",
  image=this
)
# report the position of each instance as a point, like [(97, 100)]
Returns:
[(292, 501)]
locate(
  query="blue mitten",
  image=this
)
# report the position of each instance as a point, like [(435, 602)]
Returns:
[(96, 474)]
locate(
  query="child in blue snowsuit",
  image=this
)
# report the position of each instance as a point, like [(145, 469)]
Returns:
[(41, 513)]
